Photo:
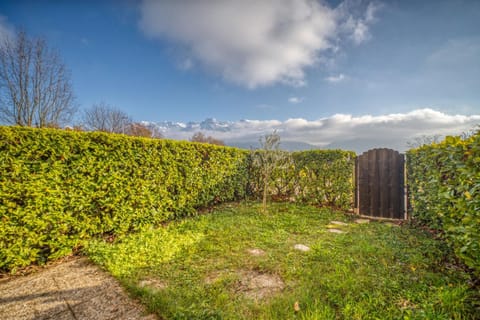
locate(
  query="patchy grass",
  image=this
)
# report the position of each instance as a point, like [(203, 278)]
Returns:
[(207, 268)]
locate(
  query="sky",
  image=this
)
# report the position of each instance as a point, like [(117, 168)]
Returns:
[(353, 74)]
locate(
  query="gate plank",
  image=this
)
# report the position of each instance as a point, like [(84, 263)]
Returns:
[(355, 179), (394, 192), (364, 192), (373, 183), (383, 181), (401, 186)]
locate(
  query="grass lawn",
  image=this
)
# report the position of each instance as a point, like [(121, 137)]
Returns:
[(237, 263)]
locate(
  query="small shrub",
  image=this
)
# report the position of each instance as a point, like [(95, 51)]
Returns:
[(265, 160), (319, 177)]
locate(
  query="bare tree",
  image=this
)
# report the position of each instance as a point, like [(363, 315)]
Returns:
[(475, 130), (200, 137), (106, 118), (266, 159), (423, 140), (35, 87), (139, 129)]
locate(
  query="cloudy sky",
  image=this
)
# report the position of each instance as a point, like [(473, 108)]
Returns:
[(328, 73)]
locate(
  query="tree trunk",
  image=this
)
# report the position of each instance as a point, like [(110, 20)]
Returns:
[(265, 193)]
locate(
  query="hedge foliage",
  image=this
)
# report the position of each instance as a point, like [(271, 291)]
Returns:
[(319, 177), (59, 188), (444, 189)]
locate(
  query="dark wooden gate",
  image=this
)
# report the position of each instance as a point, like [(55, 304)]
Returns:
[(379, 176)]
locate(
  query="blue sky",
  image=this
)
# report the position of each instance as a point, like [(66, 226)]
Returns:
[(264, 60)]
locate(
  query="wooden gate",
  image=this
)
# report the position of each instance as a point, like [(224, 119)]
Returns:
[(380, 176)]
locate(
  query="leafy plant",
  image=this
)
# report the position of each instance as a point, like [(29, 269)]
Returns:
[(444, 189), (59, 188)]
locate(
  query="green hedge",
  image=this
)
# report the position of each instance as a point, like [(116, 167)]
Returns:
[(326, 177), (58, 188), (319, 177), (444, 192)]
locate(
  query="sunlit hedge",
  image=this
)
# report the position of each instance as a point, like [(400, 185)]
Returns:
[(319, 177), (444, 191), (58, 188)]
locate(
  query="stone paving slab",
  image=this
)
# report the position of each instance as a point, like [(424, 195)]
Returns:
[(74, 289)]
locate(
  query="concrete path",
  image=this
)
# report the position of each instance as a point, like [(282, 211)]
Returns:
[(72, 290)]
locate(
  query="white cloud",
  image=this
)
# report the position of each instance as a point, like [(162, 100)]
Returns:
[(295, 100), (358, 133), (6, 30), (372, 9), (360, 32), (336, 79), (356, 26), (255, 43)]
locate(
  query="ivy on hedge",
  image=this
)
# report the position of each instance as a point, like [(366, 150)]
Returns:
[(444, 192), (59, 188)]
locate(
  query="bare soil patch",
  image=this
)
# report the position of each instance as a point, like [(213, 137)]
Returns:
[(214, 277), (259, 286)]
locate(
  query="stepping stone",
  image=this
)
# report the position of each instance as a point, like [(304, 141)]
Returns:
[(301, 247), (335, 231), (362, 221), (339, 223), (256, 252)]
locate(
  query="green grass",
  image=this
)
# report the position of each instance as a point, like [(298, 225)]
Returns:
[(193, 268)]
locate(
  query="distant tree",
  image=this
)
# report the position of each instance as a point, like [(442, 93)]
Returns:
[(266, 159), (138, 129), (475, 130), (156, 132), (77, 128), (35, 87), (423, 140), (200, 137), (106, 118)]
